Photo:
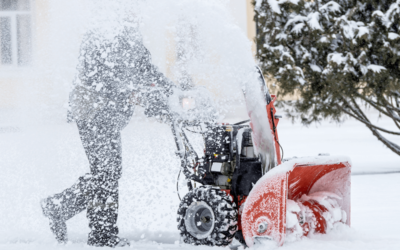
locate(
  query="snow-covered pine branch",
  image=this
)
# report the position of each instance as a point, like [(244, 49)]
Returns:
[(332, 51)]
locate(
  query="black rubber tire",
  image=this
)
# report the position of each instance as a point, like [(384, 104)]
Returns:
[(225, 214), (239, 237)]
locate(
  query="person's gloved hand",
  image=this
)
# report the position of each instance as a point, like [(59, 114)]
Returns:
[(155, 98), (202, 169), (156, 104)]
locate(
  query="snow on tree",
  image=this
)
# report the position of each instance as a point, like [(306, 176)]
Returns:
[(337, 55)]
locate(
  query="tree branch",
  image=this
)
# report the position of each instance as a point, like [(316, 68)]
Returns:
[(388, 104), (395, 122), (377, 107), (394, 147), (358, 108), (368, 124), (393, 111)]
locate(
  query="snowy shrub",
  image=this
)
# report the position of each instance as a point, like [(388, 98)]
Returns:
[(336, 55)]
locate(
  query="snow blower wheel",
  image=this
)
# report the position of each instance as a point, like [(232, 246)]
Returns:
[(207, 216)]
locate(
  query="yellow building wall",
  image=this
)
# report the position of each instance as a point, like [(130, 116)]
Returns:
[(251, 25), (14, 78)]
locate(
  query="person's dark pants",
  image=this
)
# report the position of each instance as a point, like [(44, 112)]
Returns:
[(96, 192)]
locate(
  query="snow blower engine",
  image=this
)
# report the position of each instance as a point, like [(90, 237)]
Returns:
[(245, 190)]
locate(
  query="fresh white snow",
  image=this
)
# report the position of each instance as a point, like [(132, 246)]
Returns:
[(41, 160), (393, 36), (376, 68)]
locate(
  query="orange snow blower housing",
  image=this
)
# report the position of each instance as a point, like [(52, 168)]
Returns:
[(249, 192), (297, 197)]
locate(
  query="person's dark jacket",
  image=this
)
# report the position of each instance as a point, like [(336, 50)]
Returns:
[(114, 75)]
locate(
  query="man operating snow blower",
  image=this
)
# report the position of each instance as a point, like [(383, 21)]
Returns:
[(114, 74)]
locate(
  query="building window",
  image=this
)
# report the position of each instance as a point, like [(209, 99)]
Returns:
[(15, 32)]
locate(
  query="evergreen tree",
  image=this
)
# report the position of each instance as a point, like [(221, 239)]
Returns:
[(336, 55)]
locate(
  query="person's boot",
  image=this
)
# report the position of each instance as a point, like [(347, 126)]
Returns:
[(123, 243), (113, 241), (57, 225)]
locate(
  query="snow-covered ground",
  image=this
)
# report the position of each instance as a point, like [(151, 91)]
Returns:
[(40, 160)]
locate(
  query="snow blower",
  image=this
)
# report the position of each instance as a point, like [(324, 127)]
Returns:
[(244, 187)]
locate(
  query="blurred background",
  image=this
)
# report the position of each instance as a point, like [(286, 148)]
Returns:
[(41, 154)]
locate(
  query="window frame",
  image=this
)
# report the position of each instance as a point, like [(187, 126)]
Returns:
[(13, 15)]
